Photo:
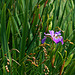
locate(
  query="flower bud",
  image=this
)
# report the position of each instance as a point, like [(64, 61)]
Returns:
[(34, 58), (8, 60), (6, 66), (44, 70), (7, 70), (45, 73), (48, 70), (7, 63), (45, 67)]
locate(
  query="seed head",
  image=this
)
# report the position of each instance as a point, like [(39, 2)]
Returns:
[(7, 70), (8, 60), (7, 63), (44, 70), (6, 66)]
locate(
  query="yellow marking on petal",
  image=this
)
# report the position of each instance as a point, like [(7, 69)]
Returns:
[(59, 37), (56, 37)]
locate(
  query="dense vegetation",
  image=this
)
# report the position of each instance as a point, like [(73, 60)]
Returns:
[(23, 25)]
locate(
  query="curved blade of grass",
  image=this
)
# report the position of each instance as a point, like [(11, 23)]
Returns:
[(68, 71), (68, 60)]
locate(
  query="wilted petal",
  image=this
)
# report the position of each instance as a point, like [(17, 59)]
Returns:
[(43, 40)]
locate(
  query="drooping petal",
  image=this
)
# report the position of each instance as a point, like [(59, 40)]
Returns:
[(56, 39), (62, 42), (61, 39), (43, 40)]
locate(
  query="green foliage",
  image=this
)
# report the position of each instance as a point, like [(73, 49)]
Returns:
[(22, 27)]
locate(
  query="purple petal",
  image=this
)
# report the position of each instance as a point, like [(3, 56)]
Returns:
[(61, 39), (62, 42), (58, 33), (47, 34), (58, 39), (51, 33), (43, 40)]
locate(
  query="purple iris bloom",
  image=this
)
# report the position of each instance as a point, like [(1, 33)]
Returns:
[(55, 37)]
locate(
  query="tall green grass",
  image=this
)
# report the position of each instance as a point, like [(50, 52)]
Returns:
[(22, 27)]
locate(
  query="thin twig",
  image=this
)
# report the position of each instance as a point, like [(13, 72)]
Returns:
[(16, 62)]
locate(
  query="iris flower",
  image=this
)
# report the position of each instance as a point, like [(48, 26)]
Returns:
[(56, 37)]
